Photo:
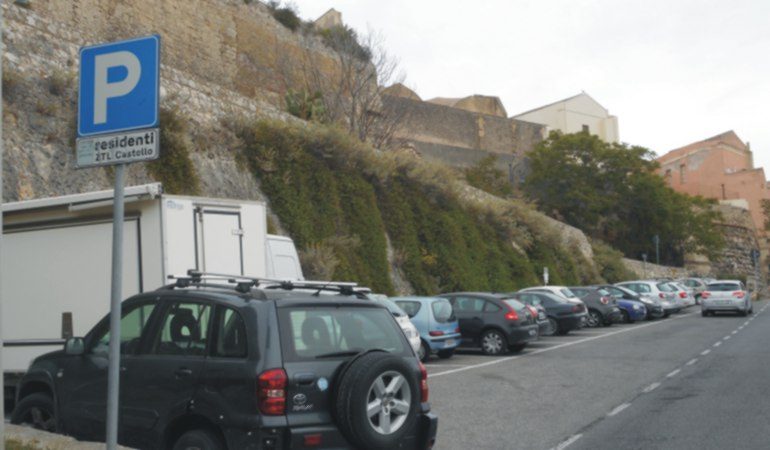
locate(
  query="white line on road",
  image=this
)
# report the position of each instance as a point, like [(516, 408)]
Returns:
[(726, 338), (556, 347), (717, 344), (674, 373), (651, 388), (735, 332), (618, 409), (568, 442), (705, 352), (692, 361)]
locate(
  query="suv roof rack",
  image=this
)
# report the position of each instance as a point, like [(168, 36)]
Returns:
[(244, 284)]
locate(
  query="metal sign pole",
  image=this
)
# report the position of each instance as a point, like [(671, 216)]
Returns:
[(2, 370), (113, 385)]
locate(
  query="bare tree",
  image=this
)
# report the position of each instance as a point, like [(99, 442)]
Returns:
[(349, 83)]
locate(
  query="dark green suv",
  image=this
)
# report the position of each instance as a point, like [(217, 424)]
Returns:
[(240, 366)]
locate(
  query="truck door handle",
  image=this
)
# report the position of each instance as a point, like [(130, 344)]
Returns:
[(183, 372)]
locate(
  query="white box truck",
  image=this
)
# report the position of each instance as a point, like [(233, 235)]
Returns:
[(56, 258)]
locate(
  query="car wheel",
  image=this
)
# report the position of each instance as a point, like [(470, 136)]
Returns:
[(378, 400), (198, 440), (424, 352), (594, 318), (704, 313), (626, 316), (743, 313), (493, 342), (36, 411), (444, 354), (553, 327)]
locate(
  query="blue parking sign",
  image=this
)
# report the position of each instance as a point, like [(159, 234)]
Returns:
[(119, 86)]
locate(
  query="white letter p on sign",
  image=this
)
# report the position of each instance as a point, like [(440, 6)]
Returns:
[(103, 90)]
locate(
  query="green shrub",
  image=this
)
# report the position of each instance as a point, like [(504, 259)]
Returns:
[(344, 39), (286, 15), (174, 168), (609, 263), (337, 198), (487, 177), (305, 105)]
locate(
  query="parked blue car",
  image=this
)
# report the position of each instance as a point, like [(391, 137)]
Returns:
[(435, 321), (632, 310)]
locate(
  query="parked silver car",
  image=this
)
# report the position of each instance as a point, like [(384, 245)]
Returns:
[(695, 285), (659, 289), (726, 295)]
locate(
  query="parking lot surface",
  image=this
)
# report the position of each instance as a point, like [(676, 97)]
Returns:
[(662, 384)]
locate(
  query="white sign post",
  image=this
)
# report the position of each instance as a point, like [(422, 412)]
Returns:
[(2, 371), (117, 125), (545, 275)]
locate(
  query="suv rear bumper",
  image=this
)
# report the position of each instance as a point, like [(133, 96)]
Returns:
[(522, 334), (331, 438)]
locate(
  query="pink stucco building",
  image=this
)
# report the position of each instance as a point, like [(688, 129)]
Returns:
[(720, 167)]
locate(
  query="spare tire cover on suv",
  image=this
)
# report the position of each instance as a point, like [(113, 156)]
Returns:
[(377, 400)]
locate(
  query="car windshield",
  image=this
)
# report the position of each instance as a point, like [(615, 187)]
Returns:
[(515, 304), (442, 310), (410, 307), (603, 292), (665, 287), (723, 287), (311, 332), (567, 293)]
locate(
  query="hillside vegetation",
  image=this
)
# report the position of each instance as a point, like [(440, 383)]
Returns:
[(341, 200)]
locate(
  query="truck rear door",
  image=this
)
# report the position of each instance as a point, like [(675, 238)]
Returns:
[(219, 240)]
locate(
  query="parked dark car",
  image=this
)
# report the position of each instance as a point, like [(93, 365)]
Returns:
[(217, 367), (602, 307), (541, 316), (563, 315), (654, 307), (494, 322)]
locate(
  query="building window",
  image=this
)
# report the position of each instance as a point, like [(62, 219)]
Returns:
[(667, 177), (586, 129), (681, 173)]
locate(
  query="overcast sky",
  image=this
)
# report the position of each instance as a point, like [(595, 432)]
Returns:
[(674, 72)]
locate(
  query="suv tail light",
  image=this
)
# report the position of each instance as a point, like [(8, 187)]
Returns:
[(705, 294), (739, 294), (457, 330), (423, 384), (577, 308), (436, 333), (605, 300), (662, 295), (511, 314), (271, 393), (683, 294)]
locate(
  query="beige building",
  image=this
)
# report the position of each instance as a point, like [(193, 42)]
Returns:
[(574, 114)]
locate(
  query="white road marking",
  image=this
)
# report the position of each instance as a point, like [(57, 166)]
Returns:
[(735, 331), (705, 352), (556, 347), (726, 338), (618, 409), (651, 388), (718, 344), (568, 442), (674, 373), (692, 361)]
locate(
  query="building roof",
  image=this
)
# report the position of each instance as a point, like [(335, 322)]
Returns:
[(399, 90), (564, 100), (483, 104), (728, 138)]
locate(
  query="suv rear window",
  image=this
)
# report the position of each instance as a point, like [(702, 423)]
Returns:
[(411, 308), (567, 293), (442, 310), (723, 287), (515, 304), (665, 287), (310, 332)]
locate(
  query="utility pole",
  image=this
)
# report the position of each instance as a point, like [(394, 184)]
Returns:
[(656, 240), (644, 265)]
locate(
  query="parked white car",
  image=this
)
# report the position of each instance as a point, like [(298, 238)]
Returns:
[(402, 318), (685, 295), (659, 289), (726, 295)]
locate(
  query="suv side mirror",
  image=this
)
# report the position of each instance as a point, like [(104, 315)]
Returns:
[(75, 346)]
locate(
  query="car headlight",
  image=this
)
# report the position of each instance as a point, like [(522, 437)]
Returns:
[(637, 306)]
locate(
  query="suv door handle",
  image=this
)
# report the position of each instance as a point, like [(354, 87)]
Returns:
[(183, 372), (305, 378)]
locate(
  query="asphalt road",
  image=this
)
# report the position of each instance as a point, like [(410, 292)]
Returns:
[(686, 382)]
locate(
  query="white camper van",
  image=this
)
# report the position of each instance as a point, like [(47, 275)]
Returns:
[(56, 257)]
